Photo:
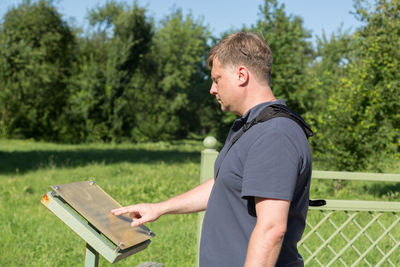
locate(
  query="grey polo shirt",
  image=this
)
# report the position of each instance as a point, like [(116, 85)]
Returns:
[(271, 160)]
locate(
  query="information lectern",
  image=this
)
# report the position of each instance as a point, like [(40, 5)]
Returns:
[(85, 208)]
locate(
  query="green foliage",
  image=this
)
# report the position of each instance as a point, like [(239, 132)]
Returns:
[(332, 57), (131, 79), (102, 99), (291, 51), (85, 118), (361, 122), (36, 53), (170, 86)]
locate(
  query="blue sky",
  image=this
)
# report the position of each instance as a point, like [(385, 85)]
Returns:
[(221, 15)]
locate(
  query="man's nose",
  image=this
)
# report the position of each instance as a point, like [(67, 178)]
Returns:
[(213, 89)]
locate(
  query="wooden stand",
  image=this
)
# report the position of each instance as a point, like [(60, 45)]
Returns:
[(104, 233)]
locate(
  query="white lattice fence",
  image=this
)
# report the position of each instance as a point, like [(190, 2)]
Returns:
[(350, 232), (351, 238)]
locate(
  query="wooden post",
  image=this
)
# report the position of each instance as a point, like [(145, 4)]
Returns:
[(208, 157), (92, 257)]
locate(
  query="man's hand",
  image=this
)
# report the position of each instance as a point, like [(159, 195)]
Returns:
[(140, 213), (193, 200)]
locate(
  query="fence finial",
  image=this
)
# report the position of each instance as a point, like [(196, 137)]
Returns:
[(210, 142)]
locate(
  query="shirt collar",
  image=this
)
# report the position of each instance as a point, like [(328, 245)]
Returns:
[(253, 112)]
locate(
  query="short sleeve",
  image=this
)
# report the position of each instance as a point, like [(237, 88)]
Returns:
[(271, 167)]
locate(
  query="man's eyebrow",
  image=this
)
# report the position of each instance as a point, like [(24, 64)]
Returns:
[(214, 78)]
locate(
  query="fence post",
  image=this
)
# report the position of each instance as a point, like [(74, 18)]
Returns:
[(208, 156)]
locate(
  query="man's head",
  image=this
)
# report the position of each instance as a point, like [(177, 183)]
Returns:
[(242, 48)]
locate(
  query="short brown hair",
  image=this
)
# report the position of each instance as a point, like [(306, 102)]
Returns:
[(244, 48)]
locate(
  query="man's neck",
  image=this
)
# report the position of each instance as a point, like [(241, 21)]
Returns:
[(254, 99)]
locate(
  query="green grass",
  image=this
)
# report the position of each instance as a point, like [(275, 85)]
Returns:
[(31, 236)]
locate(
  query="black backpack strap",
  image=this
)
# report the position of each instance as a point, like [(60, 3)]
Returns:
[(274, 111), (270, 112)]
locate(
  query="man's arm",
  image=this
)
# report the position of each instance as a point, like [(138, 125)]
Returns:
[(193, 200), (267, 237)]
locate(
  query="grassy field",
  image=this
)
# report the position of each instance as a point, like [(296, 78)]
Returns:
[(31, 236)]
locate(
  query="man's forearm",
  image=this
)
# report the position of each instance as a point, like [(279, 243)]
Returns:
[(268, 234), (264, 247), (193, 200)]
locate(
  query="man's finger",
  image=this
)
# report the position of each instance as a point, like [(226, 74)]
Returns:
[(120, 211), (137, 222)]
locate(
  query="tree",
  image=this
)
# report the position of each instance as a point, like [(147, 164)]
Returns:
[(362, 119), (102, 98), (332, 57), (85, 119), (36, 53), (170, 85), (291, 51)]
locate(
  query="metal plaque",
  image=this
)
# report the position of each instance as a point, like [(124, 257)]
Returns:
[(92, 203)]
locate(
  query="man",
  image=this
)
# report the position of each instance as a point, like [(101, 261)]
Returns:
[(257, 203)]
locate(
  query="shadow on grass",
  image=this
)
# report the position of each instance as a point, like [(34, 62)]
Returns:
[(23, 161), (391, 190)]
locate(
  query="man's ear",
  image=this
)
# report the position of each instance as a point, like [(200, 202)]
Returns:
[(243, 75)]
